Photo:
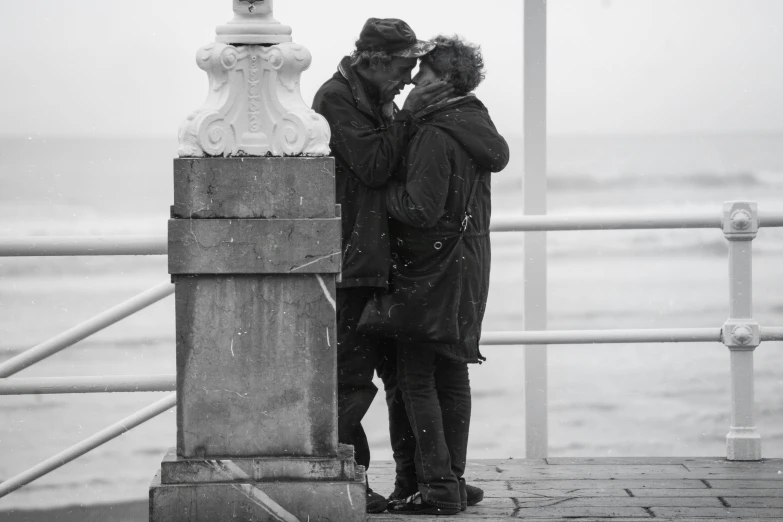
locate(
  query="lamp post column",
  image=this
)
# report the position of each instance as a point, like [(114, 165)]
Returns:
[(254, 249)]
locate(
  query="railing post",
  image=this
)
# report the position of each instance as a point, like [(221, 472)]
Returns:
[(741, 334), (534, 190), (254, 248)]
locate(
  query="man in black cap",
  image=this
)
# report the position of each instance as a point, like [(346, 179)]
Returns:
[(369, 136)]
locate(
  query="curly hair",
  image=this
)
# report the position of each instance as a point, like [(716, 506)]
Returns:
[(458, 61), (376, 60)]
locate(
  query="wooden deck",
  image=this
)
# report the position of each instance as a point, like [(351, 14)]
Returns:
[(615, 488)]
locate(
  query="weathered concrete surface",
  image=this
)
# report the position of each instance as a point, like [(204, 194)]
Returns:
[(269, 188), (256, 366), (178, 470), (675, 489), (254, 246), (258, 502)]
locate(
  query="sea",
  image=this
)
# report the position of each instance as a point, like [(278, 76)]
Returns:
[(604, 400)]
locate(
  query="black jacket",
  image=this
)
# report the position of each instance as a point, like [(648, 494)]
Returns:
[(367, 146), (452, 144)]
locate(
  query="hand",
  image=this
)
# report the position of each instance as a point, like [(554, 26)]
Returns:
[(427, 94)]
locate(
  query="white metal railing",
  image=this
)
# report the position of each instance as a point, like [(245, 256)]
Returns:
[(88, 444), (85, 329), (90, 384), (635, 221), (83, 246), (73, 246), (739, 222)]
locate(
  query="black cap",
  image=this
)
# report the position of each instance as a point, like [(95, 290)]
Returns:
[(392, 36)]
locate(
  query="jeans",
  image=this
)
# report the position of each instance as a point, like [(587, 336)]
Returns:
[(358, 358), (436, 392)]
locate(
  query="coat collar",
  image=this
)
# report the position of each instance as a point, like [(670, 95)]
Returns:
[(429, 109), (363, 103)]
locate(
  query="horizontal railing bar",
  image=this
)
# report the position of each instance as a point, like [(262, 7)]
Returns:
[(772, 334), (85, 329), (83, 246), (551, 223), (100, 384), (663, 335), (87, 444), (771, 219), (153, 383), (157, 245)]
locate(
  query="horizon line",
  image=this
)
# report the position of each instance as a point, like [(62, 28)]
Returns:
[(639, 133)]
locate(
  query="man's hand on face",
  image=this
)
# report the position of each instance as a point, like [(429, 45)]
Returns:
[(424, 95)]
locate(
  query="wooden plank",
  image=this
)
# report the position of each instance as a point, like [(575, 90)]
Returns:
[(473, 465), (588, 472), (419, 518), (745, 484), (481, 511), (714, 462), (613, 461), (254, 246), (538, 474), (733, 513), (557, 512), (626, 501), (738, 474), (502, 492), (636, 470), (689, 462), (755, 502), (768, 493), (516, 484)]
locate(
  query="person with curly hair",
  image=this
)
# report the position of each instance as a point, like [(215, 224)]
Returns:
[(369, 136), (439, 205)]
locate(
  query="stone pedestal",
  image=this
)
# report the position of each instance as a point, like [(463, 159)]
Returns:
[(254, 248)]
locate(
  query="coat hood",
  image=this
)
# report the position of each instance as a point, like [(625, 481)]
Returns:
[(467, 120)]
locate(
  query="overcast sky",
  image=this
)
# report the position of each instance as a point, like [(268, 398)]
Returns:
[(104, 67)]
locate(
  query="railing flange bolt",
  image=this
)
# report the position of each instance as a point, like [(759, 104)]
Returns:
[(741, 334), (740, 220)]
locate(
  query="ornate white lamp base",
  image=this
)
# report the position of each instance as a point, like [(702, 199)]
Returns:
[(254, 106)]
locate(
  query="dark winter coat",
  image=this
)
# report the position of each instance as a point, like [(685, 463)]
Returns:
[(367, 146), (452, 144)]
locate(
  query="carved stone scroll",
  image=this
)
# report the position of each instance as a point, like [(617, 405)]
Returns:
[(254, 106)]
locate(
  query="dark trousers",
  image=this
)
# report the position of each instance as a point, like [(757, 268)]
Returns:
[(358, 358), (436, 392)]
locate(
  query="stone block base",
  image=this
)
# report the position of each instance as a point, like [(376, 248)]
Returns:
[(258, 502), (259, 489), (179, 470)]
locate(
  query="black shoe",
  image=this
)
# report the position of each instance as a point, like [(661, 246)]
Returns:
[(375, 502), (401, 493), (415, 505), (475, 495)]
